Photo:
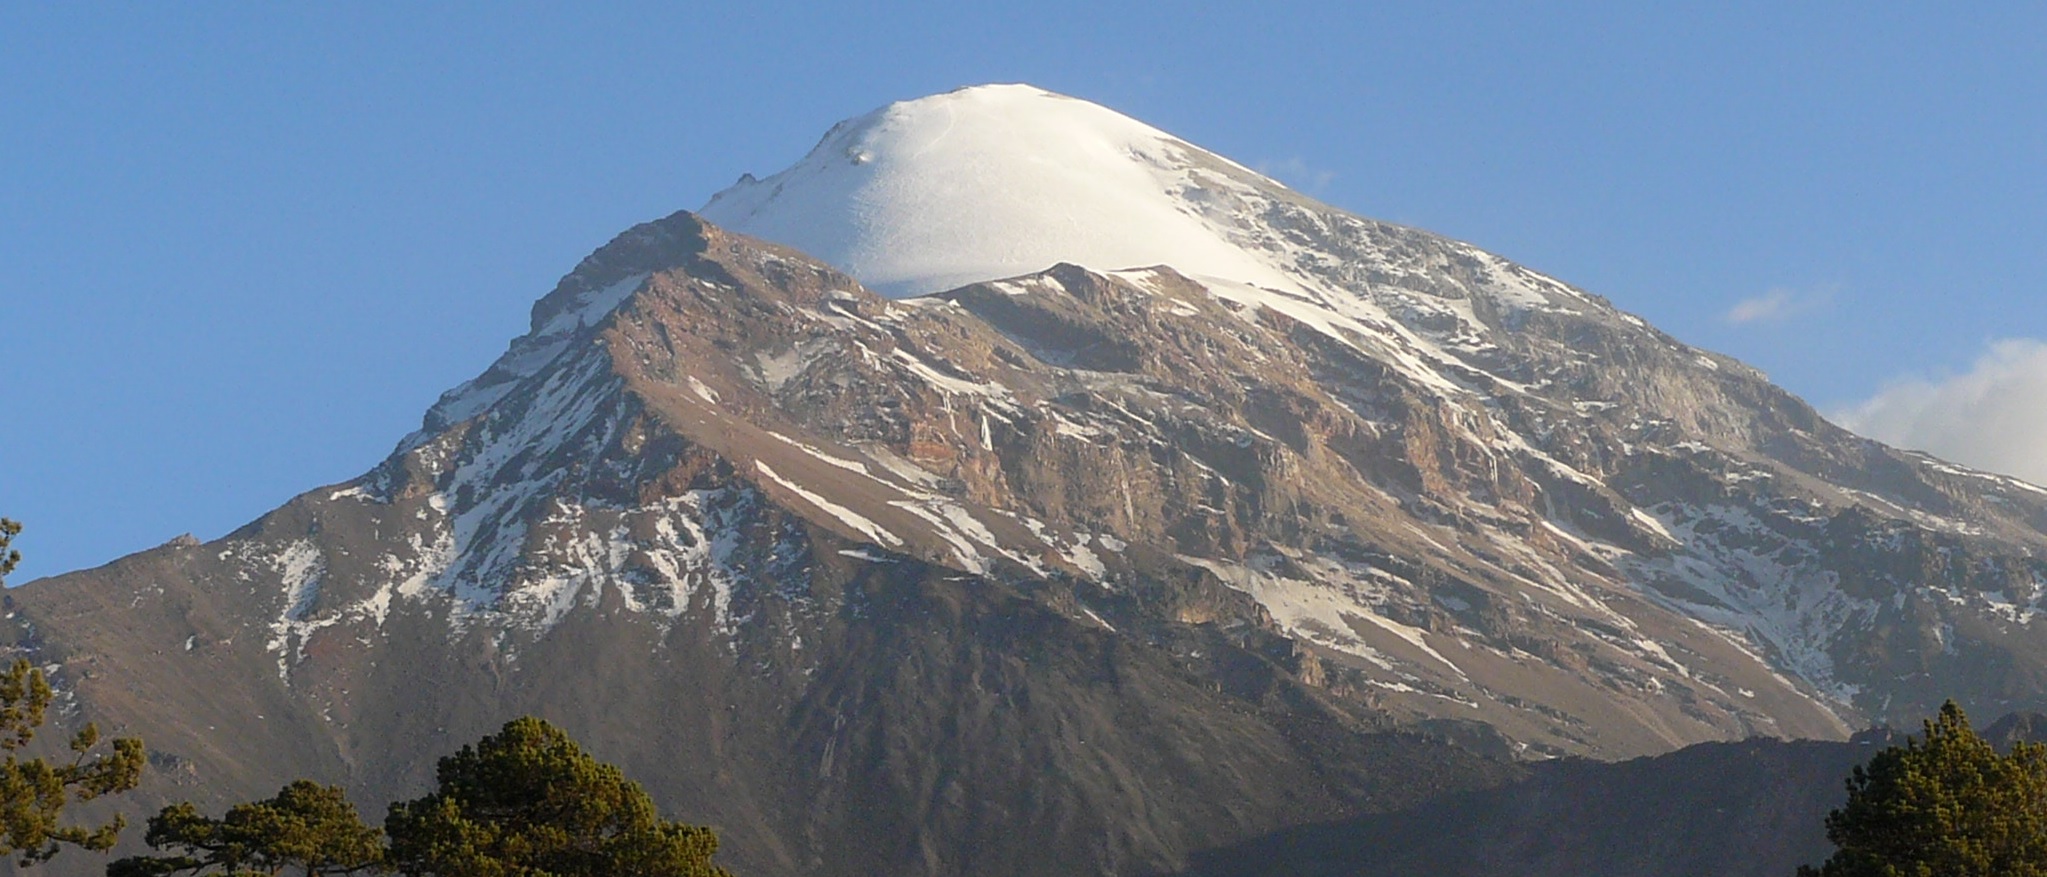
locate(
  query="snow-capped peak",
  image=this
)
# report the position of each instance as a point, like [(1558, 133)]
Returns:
[(995, 181)]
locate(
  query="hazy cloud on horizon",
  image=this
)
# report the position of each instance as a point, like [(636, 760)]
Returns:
[(1993, 417)]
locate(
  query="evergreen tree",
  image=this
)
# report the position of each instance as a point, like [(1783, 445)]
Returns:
[(528, 802), (1945, 805), (35, 791), (8, 556), (307, 829)]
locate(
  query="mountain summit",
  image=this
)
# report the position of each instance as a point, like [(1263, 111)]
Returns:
[(1155, 507), (995, 181)]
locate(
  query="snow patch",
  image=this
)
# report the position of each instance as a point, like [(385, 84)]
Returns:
[(859, 523), (703, 392)]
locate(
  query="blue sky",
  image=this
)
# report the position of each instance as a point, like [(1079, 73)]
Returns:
[(244, 246)]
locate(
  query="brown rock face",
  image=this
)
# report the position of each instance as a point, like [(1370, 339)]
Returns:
[(1069, 573)]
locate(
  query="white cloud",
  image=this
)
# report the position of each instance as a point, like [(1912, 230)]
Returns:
[(1769, 306), (1778, 305), (1993, 418), (1297, 174)]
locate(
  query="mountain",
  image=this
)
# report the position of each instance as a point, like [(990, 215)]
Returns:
[(1154, 508), (1753, 808)]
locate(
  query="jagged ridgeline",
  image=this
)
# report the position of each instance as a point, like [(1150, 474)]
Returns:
[(1158, 509)]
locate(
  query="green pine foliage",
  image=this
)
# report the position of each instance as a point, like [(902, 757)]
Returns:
[(8, 556), (525, 802), (34, 791), (1945, 805), (529, 801), (307, 829)]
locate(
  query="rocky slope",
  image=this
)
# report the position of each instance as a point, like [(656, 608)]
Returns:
[(624, 536), (1512, 464), (1269, 515)]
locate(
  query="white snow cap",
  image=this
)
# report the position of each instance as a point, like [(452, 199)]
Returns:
[(995, 181)]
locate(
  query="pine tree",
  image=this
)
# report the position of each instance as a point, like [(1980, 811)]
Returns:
[(529, 801), (35, 791), (307, 829), (8, 556), (1945, 805)]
